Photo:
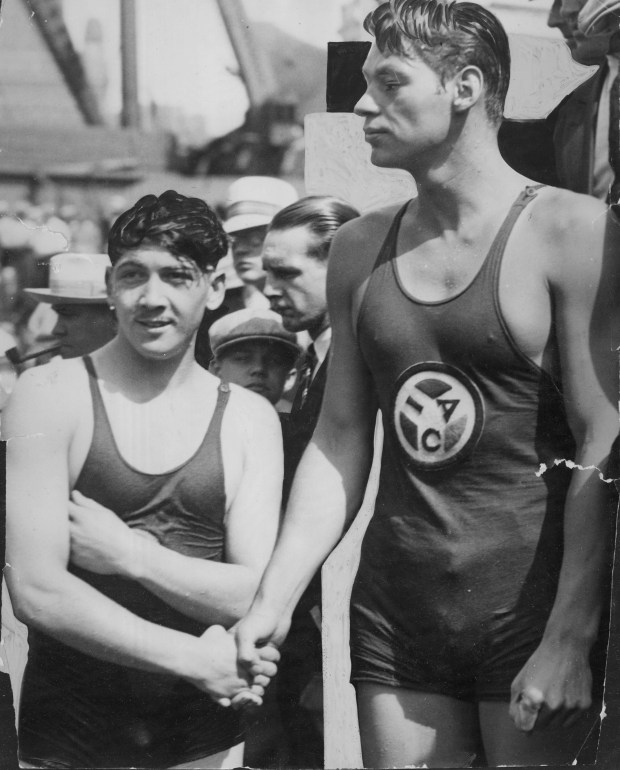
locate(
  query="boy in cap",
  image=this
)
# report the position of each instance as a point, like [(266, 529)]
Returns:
[(252, 349), (251, 204)]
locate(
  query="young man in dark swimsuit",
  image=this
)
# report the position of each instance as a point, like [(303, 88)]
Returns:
[(175, 483), (478, 318)]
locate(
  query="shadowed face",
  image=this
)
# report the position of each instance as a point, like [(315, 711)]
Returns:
[(81, 329), (586, 49), (247, 246), (257, 365), (296, 281)]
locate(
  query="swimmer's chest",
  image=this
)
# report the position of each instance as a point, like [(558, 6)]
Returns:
[(152, 437), (438, 270), (161, 434)]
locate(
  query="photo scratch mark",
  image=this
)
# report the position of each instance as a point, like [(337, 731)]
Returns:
[(543, 468), (26, 435)]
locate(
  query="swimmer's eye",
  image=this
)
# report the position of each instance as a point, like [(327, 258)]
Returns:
[(179, 277), (129, 274), (390, 85)]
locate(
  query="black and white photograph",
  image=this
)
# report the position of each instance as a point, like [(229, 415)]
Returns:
[(309, 384)]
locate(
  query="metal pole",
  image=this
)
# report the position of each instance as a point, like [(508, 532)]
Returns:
[(130, 113), (255, 69)]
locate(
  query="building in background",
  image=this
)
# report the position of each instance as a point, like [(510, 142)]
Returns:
[(100, 96)]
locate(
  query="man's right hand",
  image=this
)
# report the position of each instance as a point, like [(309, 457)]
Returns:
[(258, 629), (218, 673)]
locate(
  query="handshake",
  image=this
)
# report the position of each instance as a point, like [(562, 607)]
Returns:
[(234, 669)]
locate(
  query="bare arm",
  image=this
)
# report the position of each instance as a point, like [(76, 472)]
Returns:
[(330, 481), (213, 592), (584, 287), (40, 426)]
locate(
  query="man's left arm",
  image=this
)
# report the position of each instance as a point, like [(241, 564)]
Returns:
[(555, 686), (213, 592)]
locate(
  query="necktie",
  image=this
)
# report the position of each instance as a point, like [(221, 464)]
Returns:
[(614, 139), (305, 378)]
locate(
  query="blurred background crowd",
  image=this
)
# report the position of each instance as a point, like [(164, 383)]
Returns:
[(102, 101)]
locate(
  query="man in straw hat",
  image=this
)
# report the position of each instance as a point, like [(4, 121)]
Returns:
[(77, 293), (251, 204), (478, 318)]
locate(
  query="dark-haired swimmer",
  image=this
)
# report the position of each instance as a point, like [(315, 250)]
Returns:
[(478, 317), (175, 483)]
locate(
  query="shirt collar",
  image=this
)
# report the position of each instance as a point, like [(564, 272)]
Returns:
[(322, 343)]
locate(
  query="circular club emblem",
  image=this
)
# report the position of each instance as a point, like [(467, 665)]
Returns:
[(437, 414)]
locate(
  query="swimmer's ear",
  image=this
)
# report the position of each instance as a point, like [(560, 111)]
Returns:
[(216, 290), (468, 88)]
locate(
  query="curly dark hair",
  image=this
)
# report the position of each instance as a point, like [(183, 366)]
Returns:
[(186, 227), (447, 36)]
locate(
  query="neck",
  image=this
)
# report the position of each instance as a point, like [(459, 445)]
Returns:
[(316, 331), (473, 180), (150, 376)]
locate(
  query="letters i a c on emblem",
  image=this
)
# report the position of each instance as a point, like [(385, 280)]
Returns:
[(437, 415)]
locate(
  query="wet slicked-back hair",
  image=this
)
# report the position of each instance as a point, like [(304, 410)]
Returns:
[(186, 227), (447, 36), (322, 215)]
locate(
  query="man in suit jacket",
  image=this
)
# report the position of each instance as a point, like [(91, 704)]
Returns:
[(295, 262), (580, 124)]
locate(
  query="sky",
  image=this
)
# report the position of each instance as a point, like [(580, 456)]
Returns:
[(186, 61)]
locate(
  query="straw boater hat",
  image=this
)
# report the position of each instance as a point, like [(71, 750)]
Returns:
[(75, 279), (253, 201), (594, 11), (250, 324)]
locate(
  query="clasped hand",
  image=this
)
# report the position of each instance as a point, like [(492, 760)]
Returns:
[(102, 543)]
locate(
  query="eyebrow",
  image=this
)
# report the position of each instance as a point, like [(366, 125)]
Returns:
[(381, 69), (131, 261), (282, 268), (384, 68)]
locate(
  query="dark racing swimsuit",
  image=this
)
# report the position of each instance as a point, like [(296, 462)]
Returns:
[(78, 711), (460, 562)]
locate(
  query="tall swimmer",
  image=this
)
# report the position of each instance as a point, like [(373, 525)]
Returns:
[(175, 484), (478, 318)]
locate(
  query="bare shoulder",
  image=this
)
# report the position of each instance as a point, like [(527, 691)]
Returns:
[(356, 245), (571, 226), (46, 397), (562, 208), (249, 416), (48, 401)]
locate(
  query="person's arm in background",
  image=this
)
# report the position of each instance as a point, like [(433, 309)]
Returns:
[(39, 426), (331, 479), (583, 279), (213, 592)]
